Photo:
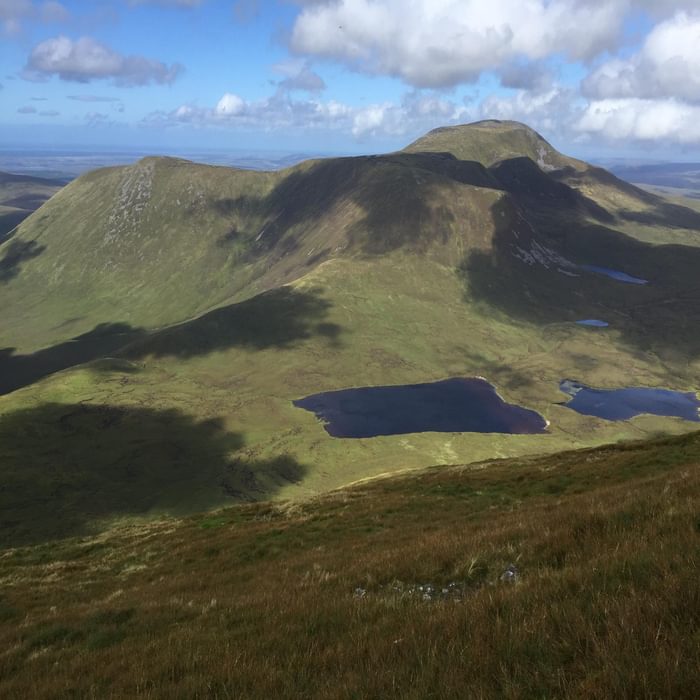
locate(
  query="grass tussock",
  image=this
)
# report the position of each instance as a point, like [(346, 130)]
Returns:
[(259, 601)]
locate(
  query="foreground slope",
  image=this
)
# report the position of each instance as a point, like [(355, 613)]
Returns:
[(174, 311), (573, 575)]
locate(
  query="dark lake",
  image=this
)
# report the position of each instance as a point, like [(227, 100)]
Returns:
[(614, 274), (622, 404), (449, 406)]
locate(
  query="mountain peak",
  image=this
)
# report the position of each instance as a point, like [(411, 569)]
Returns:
[(490, 141)]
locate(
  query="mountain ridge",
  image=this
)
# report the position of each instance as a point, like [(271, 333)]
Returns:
[(244, 231)]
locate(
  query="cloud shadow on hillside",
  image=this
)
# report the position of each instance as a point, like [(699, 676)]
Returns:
[(387, 202), (64, 467), (14, 255), (501, 374), (280, 319), (17, 371), (665, 214), (392, 192), (662, 316)]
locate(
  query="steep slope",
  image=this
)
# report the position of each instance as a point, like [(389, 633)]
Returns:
[(573, 575), (209, 299), (165, 239), (507, 144)]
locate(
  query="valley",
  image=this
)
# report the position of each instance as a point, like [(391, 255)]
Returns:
[(206, 300)]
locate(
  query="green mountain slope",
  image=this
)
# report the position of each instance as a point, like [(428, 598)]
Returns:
[(638, 213), (205, 235), (170, 293)]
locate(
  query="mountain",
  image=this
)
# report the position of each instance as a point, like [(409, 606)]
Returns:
[(159, 319), (674, 178), (20, 195), (493, 141), (571, 575)]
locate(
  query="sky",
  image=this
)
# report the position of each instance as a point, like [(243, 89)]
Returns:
[(600, 78)]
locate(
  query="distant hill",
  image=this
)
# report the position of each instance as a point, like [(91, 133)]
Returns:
[(674, 178), (201, 301), (671, 174), (20, 195)]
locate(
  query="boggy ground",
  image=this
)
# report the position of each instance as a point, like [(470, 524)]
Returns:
[(261, 601)]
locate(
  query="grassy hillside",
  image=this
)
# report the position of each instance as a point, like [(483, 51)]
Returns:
[(394, 320), (165, 239), (573, 575), (202, 301)]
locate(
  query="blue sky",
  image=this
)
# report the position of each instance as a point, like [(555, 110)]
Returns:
[(596, 77)]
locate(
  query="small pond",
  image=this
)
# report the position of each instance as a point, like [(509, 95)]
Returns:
[(593, 323), (614, 274), (622, 404), (450, 406)]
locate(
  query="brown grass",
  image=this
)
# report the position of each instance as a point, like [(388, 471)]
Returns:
[(258, 601)]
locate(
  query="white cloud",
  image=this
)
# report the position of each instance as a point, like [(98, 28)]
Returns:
[(299, 76), (279, 111), (439, 43), (372, 119), (551, 110), (668, 65), (416, 113), (229, 105), (14, 12), (525, 76), (85, 59), (637, 119)]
